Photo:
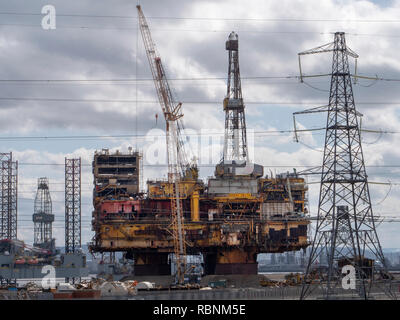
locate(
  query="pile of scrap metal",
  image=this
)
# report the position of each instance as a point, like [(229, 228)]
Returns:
[(96, 288), (291, 279), (117, 288), (32, 287), (32, 291), (186, 286), (29, 291), (89, 284), (267, 282), (319, 274)]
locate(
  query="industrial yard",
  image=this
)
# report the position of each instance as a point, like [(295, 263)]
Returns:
[(230, 287), (260, 205)]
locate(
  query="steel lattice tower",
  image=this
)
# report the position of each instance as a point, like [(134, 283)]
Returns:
[(345, 230), (72, 205), (42, 217), (235, 144), (8, 196)]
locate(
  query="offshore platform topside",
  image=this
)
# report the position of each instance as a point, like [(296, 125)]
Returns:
[(231, 218), (229, 221)]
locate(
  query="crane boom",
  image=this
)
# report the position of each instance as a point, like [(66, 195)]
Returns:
[(176, 156), (171, 109)]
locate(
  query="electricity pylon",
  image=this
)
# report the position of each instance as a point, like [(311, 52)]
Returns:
[(345, 229)]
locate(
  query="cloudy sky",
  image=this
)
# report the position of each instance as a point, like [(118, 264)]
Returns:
[(96, 53)]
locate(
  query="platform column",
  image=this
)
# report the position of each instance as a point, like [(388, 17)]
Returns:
[(195, 214), (236, 261), (151, 264)]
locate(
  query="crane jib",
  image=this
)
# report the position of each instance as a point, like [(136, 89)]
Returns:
[(175, 150)]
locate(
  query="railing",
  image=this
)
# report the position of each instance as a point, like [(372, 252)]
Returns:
[(157, 217)]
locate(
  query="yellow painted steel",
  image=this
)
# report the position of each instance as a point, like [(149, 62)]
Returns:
[(195, 205), (142, 236), (164, 190), (124, 235), (238, 196)]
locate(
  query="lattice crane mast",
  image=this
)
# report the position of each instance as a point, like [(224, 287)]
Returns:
[(178, 166)]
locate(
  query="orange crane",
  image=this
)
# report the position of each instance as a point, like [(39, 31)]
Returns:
[(178, 166)]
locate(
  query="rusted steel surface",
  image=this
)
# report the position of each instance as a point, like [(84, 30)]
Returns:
[(236, 268), (152, 269)]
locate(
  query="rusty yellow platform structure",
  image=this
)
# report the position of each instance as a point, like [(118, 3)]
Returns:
[(228, 228)]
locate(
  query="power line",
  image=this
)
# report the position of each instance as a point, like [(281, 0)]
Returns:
[(206, 18), (183, 101), (262, 132), (312, 182), (205, 165), (169, 30), (68, 15), (201, 165), (195, 79), (39, 27), (53, 183), (142, 135), (150, 79), (282, 77), (58, 201), (376, 78), (202, 30)]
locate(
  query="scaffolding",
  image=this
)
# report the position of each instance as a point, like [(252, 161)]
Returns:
[(72, 205), (8, 196)]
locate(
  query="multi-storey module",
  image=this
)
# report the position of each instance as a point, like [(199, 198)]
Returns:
[(229, 220), (116, 174)]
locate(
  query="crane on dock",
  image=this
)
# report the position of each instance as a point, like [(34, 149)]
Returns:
[(178, 165)]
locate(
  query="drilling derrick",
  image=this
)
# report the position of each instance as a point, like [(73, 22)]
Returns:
[(235, 186), (235, 158), (42, 217), (345, 230), (178, 166), (235, 144)]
